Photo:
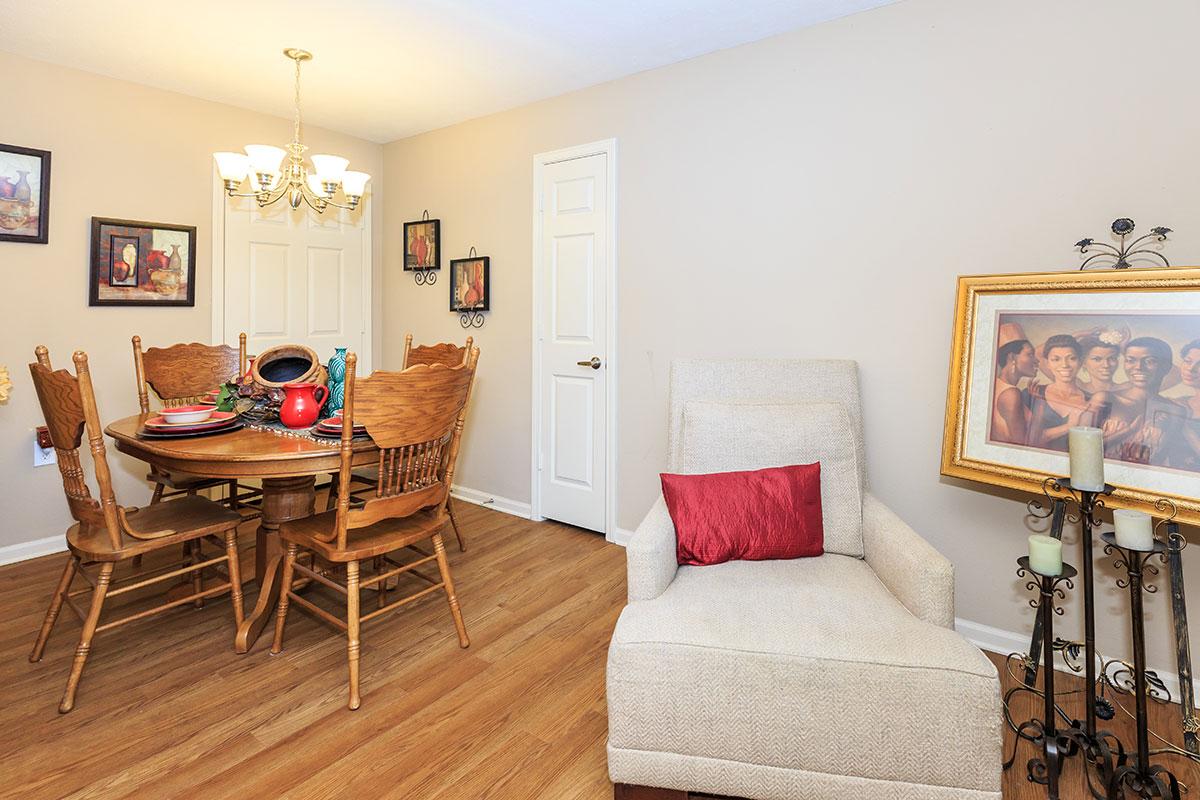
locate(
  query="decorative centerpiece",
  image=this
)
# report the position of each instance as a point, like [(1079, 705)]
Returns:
[(337, 381)]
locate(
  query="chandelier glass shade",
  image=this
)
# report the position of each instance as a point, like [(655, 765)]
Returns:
[(275, 173)]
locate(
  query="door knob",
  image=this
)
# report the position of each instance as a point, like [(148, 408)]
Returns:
[(594, 363)]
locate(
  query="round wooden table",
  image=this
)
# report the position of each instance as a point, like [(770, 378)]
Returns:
[(287, 466)]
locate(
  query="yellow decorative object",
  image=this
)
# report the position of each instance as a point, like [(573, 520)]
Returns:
[(5, 384)]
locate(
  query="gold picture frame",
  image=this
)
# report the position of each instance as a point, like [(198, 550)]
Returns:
[(1145, 462)]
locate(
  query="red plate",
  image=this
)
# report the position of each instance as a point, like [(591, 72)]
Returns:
[(217, 419)]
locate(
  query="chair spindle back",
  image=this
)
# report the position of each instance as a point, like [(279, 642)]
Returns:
[(416, 419), (182, 374), (69, 407), (446, 353)]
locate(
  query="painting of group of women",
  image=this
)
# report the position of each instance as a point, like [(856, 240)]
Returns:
[(1135, 376)]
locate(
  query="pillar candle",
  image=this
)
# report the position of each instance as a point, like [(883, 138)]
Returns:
[(1086, 449), (1045, 554), (1135, 530)]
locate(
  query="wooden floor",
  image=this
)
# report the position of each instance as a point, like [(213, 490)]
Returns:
[(166, 709)]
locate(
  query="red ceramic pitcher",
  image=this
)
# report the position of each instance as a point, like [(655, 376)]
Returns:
[(301, 406)]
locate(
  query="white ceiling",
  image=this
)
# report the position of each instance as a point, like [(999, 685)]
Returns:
[(385, 69)]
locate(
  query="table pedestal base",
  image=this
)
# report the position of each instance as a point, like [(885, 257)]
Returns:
[(284, 499)]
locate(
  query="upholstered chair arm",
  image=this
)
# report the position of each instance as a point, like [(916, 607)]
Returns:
[(918, 575), (650, 554)]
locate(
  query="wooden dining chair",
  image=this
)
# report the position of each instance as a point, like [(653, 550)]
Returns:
[(415, 417), (446, 353), (106, 534), (181, 375)]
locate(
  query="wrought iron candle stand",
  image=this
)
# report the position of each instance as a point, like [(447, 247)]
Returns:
[(1102, 750), (1055, 746), (1143, 779)]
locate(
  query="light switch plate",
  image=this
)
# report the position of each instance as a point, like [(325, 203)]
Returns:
[(43, 456)]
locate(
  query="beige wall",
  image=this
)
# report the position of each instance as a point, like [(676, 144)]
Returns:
[(815, 195), (119, 150)]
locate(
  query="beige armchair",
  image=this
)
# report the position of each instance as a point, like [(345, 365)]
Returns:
[(829, 677)]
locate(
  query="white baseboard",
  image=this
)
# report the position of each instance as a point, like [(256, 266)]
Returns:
[(23, 551), (621, 536), (998, 640), (504, 504)]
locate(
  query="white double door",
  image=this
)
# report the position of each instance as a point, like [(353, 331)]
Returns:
[(291, 276), (573, 340)]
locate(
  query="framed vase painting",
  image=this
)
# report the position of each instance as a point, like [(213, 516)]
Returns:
[(1034, 355), (423, 245), (470, 284), (24, 194), (142, 264)]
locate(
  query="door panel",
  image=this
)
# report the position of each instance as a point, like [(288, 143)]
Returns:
[(292, 277), (571, 333)]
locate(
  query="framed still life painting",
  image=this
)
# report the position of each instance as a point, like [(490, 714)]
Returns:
[(1034, 355), (423, 245), (142, 264), (24, 194), (470, 283)]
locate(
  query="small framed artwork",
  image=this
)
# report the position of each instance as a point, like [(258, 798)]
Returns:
[(1034, 355), (423, 245), (24, 194), (470, 283), (142, 264)]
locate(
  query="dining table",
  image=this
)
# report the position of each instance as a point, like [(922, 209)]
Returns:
[(286, 464)]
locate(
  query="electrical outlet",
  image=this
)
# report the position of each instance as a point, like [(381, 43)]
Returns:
[(43, 456)]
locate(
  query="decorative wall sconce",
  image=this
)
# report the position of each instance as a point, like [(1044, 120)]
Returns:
[(1123, 227)]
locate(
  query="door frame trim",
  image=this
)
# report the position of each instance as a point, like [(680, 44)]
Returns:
[(217, 274), (606, 147)]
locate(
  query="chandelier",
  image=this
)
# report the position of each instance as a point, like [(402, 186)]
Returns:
[(272, 178)]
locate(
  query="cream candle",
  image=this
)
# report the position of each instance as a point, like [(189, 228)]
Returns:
[(1045, 554), (1085, 447), (1135, 530)]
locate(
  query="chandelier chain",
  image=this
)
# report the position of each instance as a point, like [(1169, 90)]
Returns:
[(296, 129)]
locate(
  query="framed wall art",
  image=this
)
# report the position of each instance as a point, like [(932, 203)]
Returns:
[(423, 245), (470, 283), (24, 194), (142, 264), (1035, 354)]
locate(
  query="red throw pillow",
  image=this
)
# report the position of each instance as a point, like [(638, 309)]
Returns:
[(750, 516)]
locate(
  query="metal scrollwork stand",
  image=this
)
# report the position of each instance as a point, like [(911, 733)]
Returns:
[(1143, 779), (1055, 746)]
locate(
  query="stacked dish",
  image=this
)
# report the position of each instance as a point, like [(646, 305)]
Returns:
[(178, 423), (331, 428)]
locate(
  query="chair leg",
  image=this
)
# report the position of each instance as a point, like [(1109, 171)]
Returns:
[(285, 588), (381, 587), (85, 636), (331, 498), (233, 496), (56, 601), (462, 546), (352, 644), (158, 493), (444, 568), (193, 548), (235, 575)]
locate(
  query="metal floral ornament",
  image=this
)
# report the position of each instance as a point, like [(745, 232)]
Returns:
[(1123, 228), (5, 384)]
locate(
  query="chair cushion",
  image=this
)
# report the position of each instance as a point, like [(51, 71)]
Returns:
[(752, 515), (807, 664), (722, 437)]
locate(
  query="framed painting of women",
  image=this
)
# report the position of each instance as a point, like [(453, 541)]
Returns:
[(1035, 355)]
